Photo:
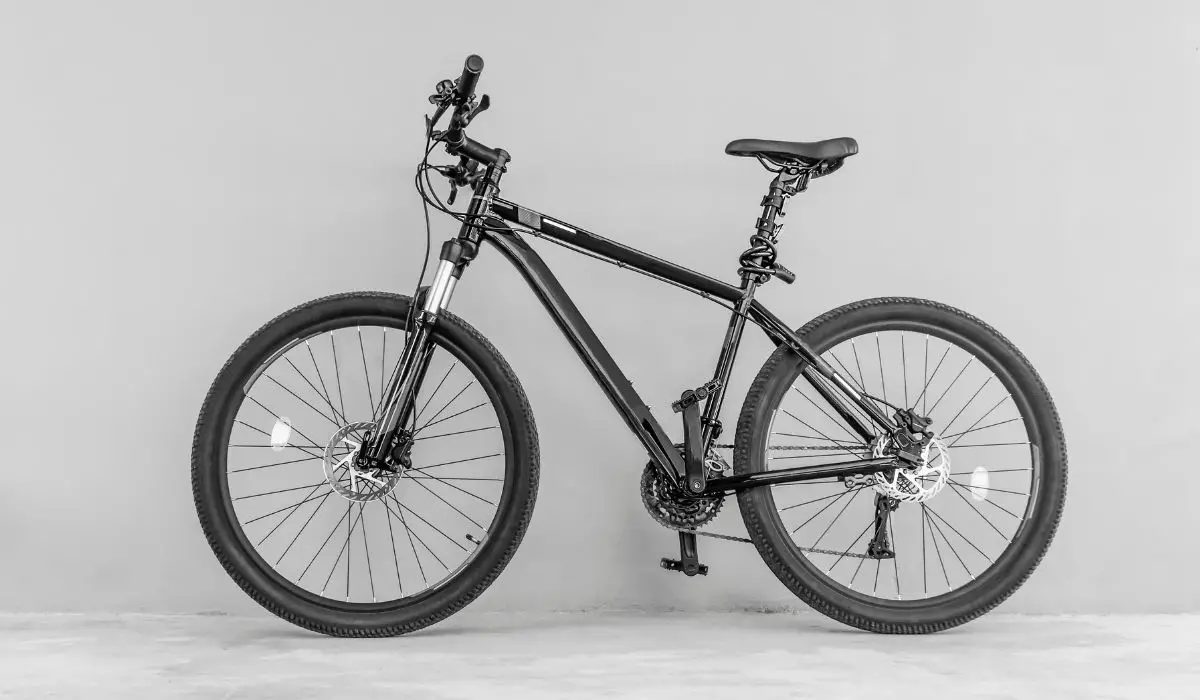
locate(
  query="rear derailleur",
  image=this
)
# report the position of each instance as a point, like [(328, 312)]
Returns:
[(880, 547)]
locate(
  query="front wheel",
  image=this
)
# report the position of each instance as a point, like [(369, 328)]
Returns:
[(348, 552), (911, 552)]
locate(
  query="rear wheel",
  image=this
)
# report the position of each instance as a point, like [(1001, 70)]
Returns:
[(959, 536), (335, 549)]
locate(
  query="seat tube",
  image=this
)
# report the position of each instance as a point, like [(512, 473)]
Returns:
[(733, 339)]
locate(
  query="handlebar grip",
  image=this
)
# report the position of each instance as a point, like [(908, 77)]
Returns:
[(472, 67)]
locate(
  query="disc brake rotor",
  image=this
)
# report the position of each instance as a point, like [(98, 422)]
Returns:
[(345, 477), (913, 484)]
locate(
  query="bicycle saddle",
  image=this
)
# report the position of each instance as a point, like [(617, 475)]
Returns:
[(808, 152)]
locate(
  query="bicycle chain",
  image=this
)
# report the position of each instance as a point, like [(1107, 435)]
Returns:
[(733, 538)]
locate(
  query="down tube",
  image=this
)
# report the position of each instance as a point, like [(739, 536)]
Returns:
[(587, 344)]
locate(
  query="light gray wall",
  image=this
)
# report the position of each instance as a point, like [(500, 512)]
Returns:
[(174, 174)]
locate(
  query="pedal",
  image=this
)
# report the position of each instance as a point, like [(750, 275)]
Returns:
[(687, 563), (695, 396), (675, 565)]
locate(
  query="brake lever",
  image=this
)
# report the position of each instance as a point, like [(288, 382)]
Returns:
[(482, 106), (445, 91), (461, 175)]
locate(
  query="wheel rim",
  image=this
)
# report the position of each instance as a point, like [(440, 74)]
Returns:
[(943, 545), (363, 546)]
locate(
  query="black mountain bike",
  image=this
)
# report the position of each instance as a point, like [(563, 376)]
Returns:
[(366, 464)]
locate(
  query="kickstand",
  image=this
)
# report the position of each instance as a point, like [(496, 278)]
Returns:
[(688, 563)]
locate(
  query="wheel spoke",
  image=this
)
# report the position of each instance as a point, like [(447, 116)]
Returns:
[(443, 500), (969, 401), (930, 377), (322, 547), (367, 551), (454, 478), (879, 353), (301, 400), (454, 415), (938, 515), (861, 381), (418, 516), (321, 379), (835, 519), (367, 378), (446, 481), (973, 429), (296, 430), (831, 418), (819, 439), (350, 531), (420, 568), (970, 361), (271, 493), (826, 507), (795, 418), (403, 522), (979, 513), (845, 369), (308, 497), (303, 527), (990, 489), (444, 407), (457, 461), (895, 551), (920, 398), (383, 368), (847, 551), (458, 432), (336, 371), (924, 565), (936, 548), (395, 557), (856, 570), (276, 464), (307, 381), (303, 448)]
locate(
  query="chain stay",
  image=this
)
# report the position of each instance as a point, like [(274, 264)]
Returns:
[(785, 448)]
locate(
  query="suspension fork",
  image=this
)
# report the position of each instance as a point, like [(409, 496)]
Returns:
[(456, 254), (414, 362)]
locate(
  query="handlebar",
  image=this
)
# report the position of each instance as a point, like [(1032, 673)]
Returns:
[(472, 67), (455, 138)]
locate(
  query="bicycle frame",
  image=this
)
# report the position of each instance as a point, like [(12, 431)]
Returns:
[(492, 220)]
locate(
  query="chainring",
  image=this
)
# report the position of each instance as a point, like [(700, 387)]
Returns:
[(669, 508)]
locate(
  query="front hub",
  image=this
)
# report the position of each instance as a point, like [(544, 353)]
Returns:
[(349, 471)]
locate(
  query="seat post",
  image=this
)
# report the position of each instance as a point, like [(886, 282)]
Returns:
[(786, 183), (758, 262)]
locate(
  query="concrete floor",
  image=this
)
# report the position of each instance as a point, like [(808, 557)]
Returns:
[(675, 655)]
